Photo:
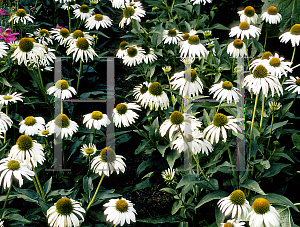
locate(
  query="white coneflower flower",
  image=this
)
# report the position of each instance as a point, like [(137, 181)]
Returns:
[(31, 125), (167, 69), (48, 58), (63, 1), (8, 98), (201, 1), (274, 106), (122, 51), (62, 90), (177, 122), (132, 11), (188, 87), (155, 97), (237, 48), (65, 212), (140, 90), (45, 132), (248, 15), (11, 168), (81, 50), (294, 84), (262, 80), (123, 114), (276, 66), (168, 174), (263, 214), (134, 56), (42, 36), (28, 51), (95, 119), (108, 162), (118, 3), (233, 223), (185, 37), (73, 5), (77, 34), (172, 36), (271, 16), (192, 48), (196, 143), (60, 34), (22, 16), (149, 55), (3, 48), (84, 12), (88, 150), (5, 121), (119, 211), (224, 90), (62, 125), (98, 21), (293, 35), (244, 30), (218, 127), (27, 151), (264, 60), (235, 204)]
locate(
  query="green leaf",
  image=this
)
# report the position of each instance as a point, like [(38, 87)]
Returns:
[(226, 167), (144, 184), (284, 155), (211, 196), (290, 12), (47, 186), (176, 206), (183, 13), (206, 119), (188, 179), (163, 219), (296, 140), (4, 81), (171, 157), (18, 86), (253, 185), (154, 130), (143, 166), (162, 149), (17, 217), (169, 190), (275, 126), (141, 147), (28, 193), (275, 169), (219, 26), (276, 199), (88, 185)]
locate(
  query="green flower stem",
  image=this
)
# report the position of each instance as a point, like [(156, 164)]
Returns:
[(247, 55), (11, 182), (21, 25), (289, 106), (252, 123), (294, 51), (262, 114), (35, 3), (94, 135), (198, 16), (272, 121), (219, 107), (79, 72), (233, 66), (36, 186), (6, 111), (140, 35), (170, 13), (197, 160), (38, 182), (69, 15), (266, 36), (146, 137), (171, 91), (231, 162), (91, 202)]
